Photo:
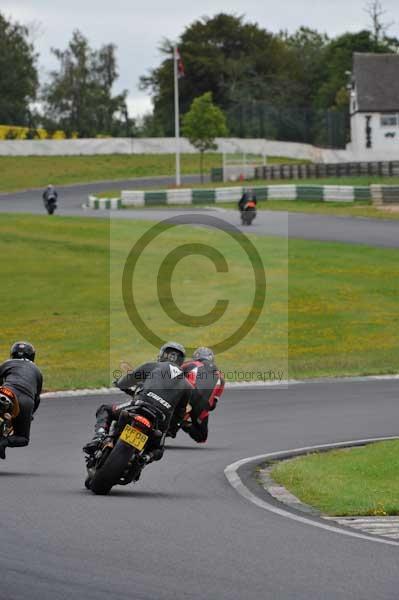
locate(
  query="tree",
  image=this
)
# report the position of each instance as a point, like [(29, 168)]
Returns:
[(18, 74), (285, 86), (79, 96), (202, 124), (238, 62), (379, 29), (337, 61), (308, 48)]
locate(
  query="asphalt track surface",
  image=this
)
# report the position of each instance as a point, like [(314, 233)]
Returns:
[(382, 233), (183, 532)]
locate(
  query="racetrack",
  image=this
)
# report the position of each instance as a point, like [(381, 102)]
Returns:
[(182, 532), (294, 225)]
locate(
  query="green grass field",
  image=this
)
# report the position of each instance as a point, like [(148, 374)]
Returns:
[(24, 172), (358, 481), (340, 316)]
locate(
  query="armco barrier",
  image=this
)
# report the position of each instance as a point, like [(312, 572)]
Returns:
[(104, 203), (282, 192), (339, 193), (326, 193), (384, 194), (228, 194), (309, 192), (203, 196)]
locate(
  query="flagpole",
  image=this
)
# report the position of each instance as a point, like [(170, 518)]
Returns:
[(177, 122)]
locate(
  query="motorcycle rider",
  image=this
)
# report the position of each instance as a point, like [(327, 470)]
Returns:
[(247, 198), (160, 384), (50, 195), (20, 374), (208, 384)]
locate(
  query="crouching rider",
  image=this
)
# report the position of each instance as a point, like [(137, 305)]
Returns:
[(20, 375), (160, 384), (208, 384)]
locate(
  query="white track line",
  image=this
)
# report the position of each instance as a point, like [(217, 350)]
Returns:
[(231, 473)]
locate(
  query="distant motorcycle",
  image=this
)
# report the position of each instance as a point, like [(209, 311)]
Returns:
[(51, 205), (248, 213), (9, 409), (50, 199), (122, 455)]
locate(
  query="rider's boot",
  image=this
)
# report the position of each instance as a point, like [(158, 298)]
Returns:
[(3, 446), (91, 447)]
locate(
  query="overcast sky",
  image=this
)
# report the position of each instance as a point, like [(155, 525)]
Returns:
[(137, 27)]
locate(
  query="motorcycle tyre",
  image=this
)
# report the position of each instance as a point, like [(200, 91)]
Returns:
[(112, 470)]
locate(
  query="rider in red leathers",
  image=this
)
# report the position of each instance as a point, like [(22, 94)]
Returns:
[(208, 384)]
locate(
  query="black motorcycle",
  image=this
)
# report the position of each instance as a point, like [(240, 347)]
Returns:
[(122, 455), (50, 204), (248, 214)]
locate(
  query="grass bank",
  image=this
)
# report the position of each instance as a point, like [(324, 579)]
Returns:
[(331, 309), (22, 172), (358, 481)]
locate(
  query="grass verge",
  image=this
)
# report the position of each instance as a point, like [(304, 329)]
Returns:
[(336, 302), (358, 481), (22, 172), (360, 208)]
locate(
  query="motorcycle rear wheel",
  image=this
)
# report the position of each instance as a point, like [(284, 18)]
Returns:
[(112, 470)]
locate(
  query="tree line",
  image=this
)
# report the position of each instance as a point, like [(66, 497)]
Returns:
[(279, 86)]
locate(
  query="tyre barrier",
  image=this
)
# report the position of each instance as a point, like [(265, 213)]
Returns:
[(322, 193)]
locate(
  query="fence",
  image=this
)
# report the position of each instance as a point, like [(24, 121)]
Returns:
[(317, 170), (325, 128)]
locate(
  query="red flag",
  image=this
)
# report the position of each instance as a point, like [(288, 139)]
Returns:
[(180, 65)]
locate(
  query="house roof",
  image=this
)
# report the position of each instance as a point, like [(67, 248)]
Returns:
[(377, 81)]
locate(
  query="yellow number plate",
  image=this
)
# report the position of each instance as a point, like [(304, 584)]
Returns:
[(134, 437)]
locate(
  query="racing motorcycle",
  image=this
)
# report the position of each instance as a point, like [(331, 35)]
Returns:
[(248, 214), (122, 455), (50, 204), (9, 409)]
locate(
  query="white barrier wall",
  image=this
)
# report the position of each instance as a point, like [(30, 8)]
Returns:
[(167, 146), (150, 146)]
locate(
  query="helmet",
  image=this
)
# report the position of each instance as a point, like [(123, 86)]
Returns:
[(23, 350), (204, 353), (172, 352)]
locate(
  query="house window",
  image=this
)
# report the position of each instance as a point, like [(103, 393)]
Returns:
[(389, 120)]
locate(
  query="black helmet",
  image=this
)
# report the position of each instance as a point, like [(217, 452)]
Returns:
[(204, 353), (172, 352), (23, 350)]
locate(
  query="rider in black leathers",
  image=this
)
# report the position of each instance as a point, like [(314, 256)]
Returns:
[(22, 376), (160, 384)]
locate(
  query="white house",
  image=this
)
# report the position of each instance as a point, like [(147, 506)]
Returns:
[(374, 107)]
